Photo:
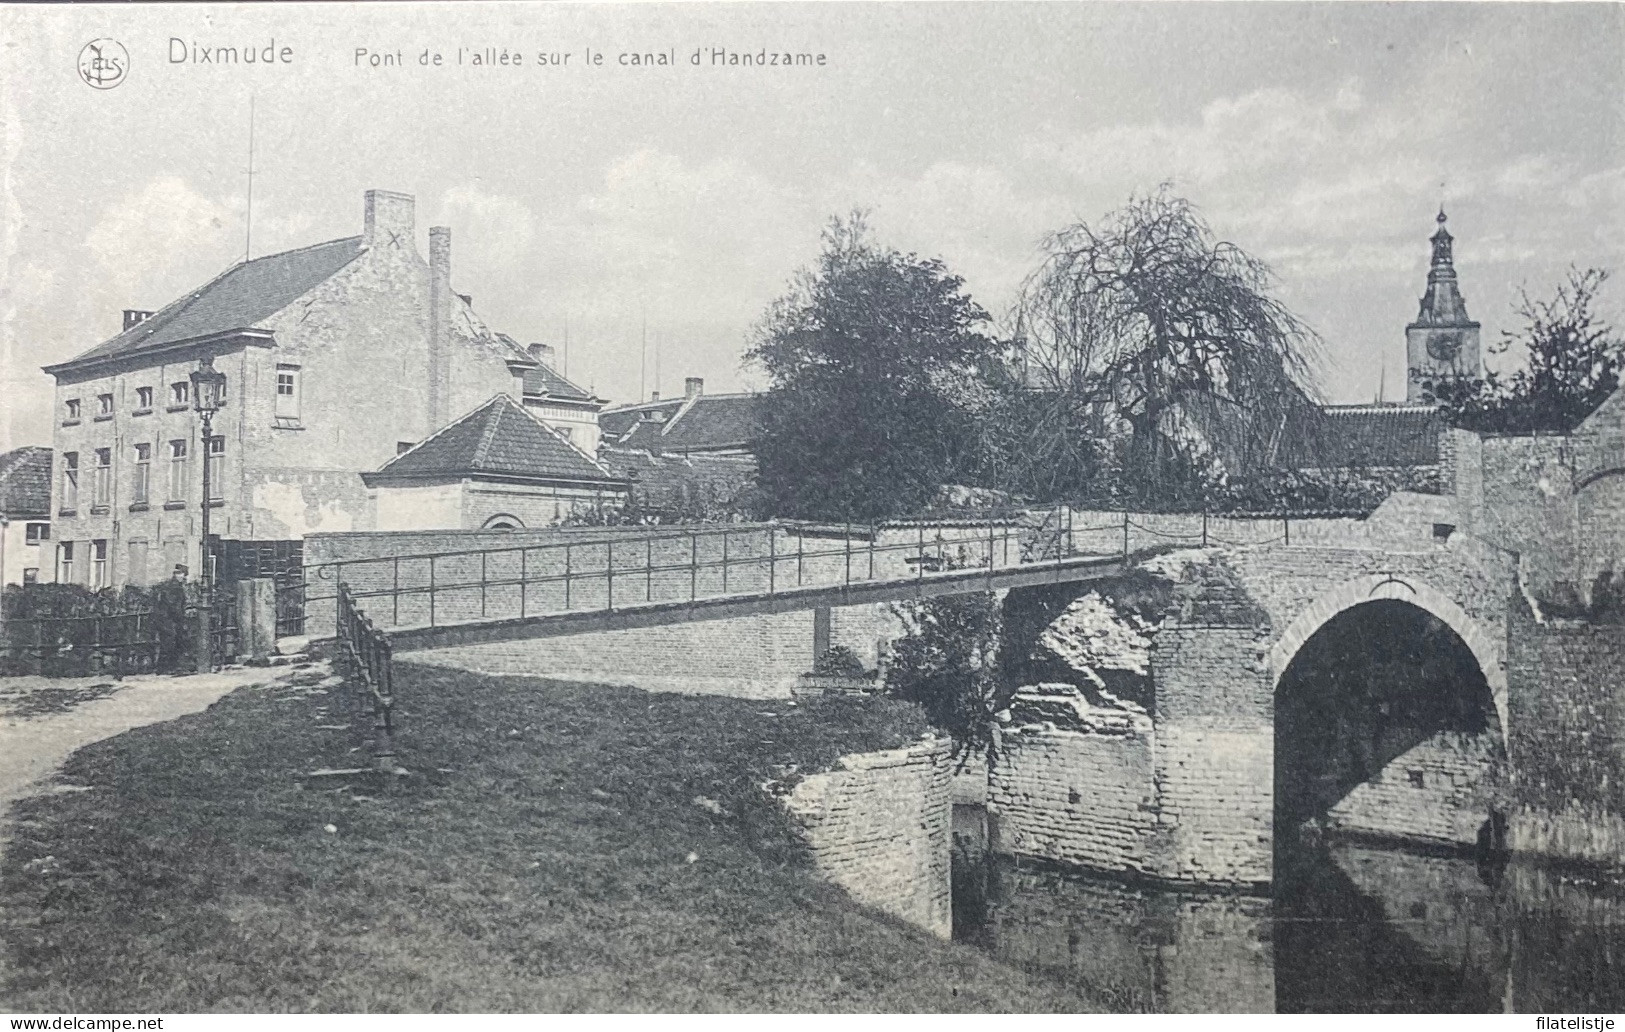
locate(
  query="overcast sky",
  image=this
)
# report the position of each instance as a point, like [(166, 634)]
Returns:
[(1321, 138)]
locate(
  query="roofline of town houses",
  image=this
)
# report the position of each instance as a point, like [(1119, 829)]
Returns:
[(679, 399), (244, 334), (380, 478)]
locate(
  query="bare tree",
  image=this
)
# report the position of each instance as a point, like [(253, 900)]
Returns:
[(1148, 334)]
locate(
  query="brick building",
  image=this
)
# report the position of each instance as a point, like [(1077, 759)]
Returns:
[(307, 338), (25, 516)]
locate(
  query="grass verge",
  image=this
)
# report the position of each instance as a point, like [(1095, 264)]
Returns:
[(538, 858)]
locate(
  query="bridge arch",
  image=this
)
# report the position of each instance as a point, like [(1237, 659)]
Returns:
[(1359, 590)]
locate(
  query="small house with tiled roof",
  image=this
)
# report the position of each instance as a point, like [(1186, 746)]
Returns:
[(25, 516), (338, 356), (499, 466)]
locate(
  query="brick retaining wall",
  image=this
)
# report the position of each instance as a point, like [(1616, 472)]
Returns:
[(1566, 741), (1079, 797), (878, 826)]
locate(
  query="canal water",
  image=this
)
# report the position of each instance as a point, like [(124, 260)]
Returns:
[(1346, 928)]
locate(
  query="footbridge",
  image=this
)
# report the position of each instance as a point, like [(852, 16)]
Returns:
[(609, 579)]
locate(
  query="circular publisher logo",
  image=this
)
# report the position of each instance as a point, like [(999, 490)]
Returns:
[(103, 63)]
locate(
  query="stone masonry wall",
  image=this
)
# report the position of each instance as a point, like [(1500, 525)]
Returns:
[(1214, 756), (1566, 741), (878, 826), (753, 657), (757, 657), (1442, 790), (1076, 797)]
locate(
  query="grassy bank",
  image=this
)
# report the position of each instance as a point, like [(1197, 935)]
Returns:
[(546, 853)]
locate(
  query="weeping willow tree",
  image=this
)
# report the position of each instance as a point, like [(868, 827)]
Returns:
[(1151, 355)]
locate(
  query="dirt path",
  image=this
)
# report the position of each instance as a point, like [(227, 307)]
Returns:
[(33, 746)]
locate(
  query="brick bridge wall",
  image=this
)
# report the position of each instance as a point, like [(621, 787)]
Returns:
[(1567, 745), (1191, 799), (756, 657), (878, 826)]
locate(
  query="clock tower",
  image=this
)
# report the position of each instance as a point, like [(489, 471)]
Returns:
[(1442, 341)]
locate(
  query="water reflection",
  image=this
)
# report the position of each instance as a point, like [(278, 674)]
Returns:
[(1350, 928)]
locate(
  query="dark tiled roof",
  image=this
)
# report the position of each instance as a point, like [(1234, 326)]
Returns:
[(709, 422), (238, 298), (25, 482), (615, 423), (1363, 436), (500, 439), (713, 422)]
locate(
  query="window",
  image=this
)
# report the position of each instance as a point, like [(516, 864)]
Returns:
[(64, 562), (143, 399), (180, 394), (1417, 778), (177, 471), (72, 414), (137, 571), (141, 483), (98, 563), (70, 480), (287, 393), (38, 532), (104, 474), (31, 575), (217, 467), (104, 404)]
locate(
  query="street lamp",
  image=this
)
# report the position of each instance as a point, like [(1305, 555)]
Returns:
[(208, 392)]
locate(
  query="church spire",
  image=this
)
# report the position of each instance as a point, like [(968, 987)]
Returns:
[(1442, 305), (1442, 342)]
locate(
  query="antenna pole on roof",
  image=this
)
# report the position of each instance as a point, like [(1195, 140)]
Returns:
[(248, 219), (566, 359), (1382, 381), (643, 358)]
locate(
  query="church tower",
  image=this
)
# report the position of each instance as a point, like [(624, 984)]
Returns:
[(1442, 341)]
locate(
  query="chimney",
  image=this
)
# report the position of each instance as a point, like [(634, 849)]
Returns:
[(133, 316), (388, 221), (693, 387), (439, 408), (542, 353), (654, 395)]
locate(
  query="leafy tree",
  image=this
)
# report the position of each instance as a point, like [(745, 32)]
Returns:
[(948, 663), (1573, 363), (872, 357), (1146, 332)]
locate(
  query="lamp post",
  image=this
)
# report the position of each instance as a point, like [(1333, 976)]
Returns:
[(208, 390)]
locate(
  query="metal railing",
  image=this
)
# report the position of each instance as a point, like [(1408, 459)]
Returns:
[(610, 572), (614, 572), (76, 646), (367, 666)]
